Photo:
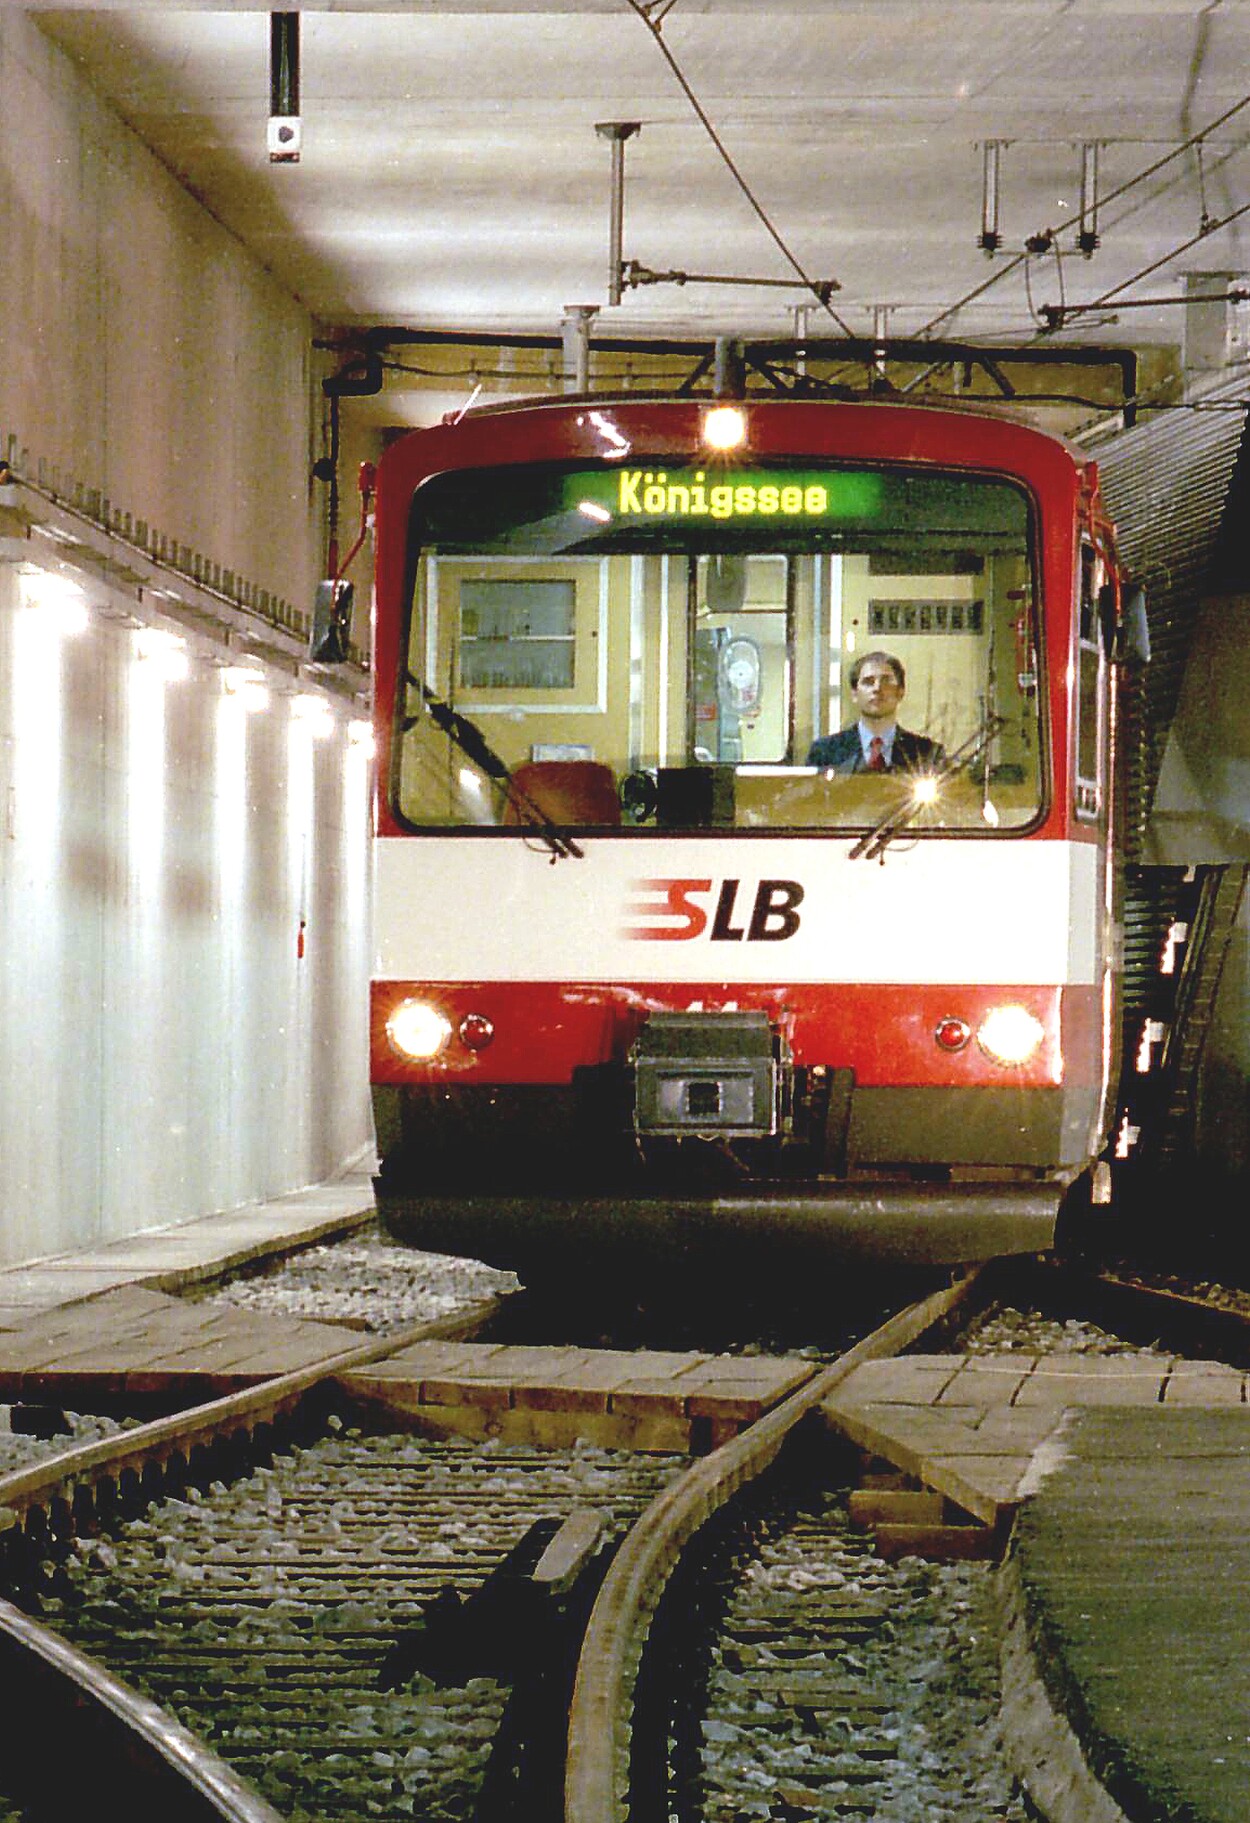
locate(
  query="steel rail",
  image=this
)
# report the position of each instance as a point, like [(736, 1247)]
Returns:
[(87, 1464), (600, 1714), (150, 1765), (49, 1691)]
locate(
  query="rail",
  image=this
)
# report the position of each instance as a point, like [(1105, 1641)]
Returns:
[(82, 1467), (600, 1715), (152, 1768)]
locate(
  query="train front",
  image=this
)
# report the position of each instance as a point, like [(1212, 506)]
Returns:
[(660, 957)]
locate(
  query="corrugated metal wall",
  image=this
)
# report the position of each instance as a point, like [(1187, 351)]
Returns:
[(1166, 485), (1177, 487)]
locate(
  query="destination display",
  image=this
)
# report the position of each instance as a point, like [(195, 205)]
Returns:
[(681, 494), (710, 506)]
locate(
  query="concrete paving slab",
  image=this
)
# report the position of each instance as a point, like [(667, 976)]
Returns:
[(1225, 1386), (969, 1427), (1082, 1380), (987, 1381)]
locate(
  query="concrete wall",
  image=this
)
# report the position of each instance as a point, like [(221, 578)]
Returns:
[(184, 949), (143, 353)]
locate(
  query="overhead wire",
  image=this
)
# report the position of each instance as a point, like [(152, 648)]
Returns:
[(1205, 231), (1112, 196), (653, 14)]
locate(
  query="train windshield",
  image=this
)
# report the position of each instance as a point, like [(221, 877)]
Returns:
[(684, 647)]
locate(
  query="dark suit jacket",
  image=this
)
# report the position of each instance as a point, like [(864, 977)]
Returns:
[(844, 753)]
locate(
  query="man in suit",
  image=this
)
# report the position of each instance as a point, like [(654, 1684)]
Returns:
[(876, 743)]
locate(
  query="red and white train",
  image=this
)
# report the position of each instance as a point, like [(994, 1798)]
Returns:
[(641, 966)]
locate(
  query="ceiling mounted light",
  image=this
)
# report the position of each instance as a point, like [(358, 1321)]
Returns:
[(314, 713), (58, 598), (165, 652), (247, 682)]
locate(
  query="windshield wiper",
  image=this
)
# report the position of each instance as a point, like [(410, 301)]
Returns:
[(475, 746), (878, 839)]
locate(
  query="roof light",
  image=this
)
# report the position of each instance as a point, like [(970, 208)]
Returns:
[(725, 427)]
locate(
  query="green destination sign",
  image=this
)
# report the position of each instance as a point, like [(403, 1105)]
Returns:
[(646, 495)]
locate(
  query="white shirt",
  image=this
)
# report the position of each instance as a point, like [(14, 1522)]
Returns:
[(867, 735)]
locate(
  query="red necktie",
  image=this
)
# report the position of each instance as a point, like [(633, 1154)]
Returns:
[(876, 754)]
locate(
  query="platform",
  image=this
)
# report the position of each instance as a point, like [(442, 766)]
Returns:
[(1131, 1568), (134, 1343), (192, 1253), (130, 1345), (971, 1427), (1127, 1584)]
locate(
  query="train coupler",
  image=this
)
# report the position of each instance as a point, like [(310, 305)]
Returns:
[(710, 1075)]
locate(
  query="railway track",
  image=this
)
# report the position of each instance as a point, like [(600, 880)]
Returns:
[(323, 1621)]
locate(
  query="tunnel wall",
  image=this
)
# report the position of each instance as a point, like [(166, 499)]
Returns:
[(144, 355), (183, 880)]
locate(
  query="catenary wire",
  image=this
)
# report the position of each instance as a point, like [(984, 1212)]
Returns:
[(653, 16), (1104, 202)]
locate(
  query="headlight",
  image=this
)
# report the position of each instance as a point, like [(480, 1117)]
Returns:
[(1010, 1034), (418, 1029)]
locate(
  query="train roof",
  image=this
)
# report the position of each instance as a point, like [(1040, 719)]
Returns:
[(492, 434)]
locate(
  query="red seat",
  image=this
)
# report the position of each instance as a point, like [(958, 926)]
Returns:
[(580, 793)]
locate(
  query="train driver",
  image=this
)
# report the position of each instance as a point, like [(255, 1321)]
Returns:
[(876, 743)]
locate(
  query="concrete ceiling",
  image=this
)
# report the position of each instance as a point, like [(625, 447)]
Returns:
[(451, 176)]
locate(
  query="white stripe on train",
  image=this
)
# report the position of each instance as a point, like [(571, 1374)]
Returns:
[(455, 908)]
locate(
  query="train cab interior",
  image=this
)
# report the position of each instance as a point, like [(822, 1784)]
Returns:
[(669, 671)]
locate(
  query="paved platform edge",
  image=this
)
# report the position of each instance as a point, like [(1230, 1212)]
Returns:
[(195, 1252), (1044, 1752)]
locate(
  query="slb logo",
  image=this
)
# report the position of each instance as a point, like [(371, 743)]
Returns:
[(677, 905)]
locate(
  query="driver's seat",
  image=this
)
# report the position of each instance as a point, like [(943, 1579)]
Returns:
[(575, 793)]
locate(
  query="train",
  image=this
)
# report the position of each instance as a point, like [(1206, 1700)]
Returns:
[(660, 959)]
